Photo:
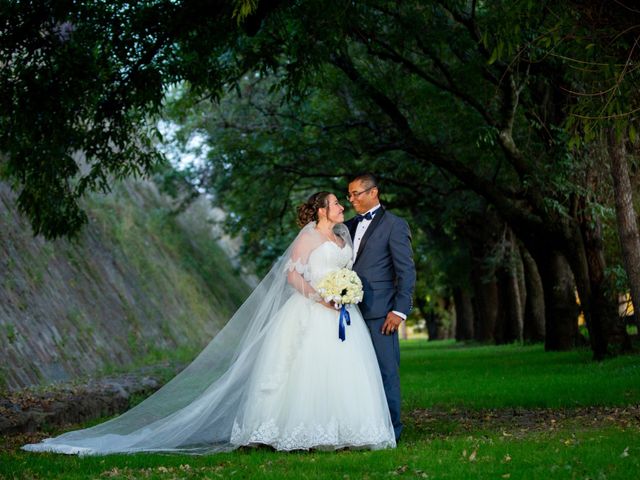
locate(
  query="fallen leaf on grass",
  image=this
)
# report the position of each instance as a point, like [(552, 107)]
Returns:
[(400, 470), (111, 473), (472, 457), (625, 453)]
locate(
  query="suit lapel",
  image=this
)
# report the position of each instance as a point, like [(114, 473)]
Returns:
[(352, 225), (374, 223)]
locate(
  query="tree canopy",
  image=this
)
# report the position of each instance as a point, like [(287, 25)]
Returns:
[(79, 82), (481, 118)]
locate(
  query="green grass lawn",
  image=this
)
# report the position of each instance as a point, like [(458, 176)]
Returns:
[(444, 374), (470, 412)]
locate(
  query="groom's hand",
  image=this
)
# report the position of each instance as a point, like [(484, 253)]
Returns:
[(391, 323)]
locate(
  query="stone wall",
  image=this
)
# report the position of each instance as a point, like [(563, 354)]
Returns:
[(138, 282)]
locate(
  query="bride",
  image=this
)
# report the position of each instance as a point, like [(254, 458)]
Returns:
[(277, 374)]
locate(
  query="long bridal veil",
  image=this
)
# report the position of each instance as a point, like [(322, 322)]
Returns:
[(195, 411)]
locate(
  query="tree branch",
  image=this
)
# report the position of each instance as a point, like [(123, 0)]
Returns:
[(389, 53), (429, 155)]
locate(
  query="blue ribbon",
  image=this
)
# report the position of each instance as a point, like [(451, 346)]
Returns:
[(344, 317)]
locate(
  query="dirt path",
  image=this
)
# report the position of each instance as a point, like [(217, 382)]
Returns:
[(520, 421)]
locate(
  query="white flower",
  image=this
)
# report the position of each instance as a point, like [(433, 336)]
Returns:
[(341, 287)]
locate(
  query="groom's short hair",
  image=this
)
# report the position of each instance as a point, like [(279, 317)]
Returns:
[(368, 179)]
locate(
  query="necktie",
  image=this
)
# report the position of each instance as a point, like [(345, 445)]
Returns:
[(366, 216)]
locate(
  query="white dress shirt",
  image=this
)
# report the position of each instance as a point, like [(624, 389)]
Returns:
[(361, 229)]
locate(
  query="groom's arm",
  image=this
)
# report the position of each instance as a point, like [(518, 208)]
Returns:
[(405, 270)]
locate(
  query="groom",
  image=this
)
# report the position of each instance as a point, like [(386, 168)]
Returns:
[(383, 259)]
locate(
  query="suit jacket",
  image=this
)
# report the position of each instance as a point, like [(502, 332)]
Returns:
[(385, 265)]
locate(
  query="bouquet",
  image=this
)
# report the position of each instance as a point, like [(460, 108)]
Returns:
[(342, 287)]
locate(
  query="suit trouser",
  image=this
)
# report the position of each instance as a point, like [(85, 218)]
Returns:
[(387, 349)]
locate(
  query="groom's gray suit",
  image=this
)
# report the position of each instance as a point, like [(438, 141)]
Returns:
[(384, 263)]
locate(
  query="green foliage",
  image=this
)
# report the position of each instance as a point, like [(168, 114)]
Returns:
[(244, 8), (10, 333), (598, 46), (78, 84), (458, 106), (398, 90), (266, 155)]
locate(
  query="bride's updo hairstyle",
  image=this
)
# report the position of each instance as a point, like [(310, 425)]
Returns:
[(308, 211)]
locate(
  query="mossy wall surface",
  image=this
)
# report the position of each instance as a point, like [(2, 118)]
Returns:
[(138, 282)]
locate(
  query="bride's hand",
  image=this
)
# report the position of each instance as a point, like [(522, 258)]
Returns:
[(330, 305)]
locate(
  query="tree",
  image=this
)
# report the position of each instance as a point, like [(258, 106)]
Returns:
[(470, 95), (604, 49), (79, 81), (299, 147), (393, 55)]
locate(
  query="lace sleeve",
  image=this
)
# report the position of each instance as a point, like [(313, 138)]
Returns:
[(297, 269), (298, 278)]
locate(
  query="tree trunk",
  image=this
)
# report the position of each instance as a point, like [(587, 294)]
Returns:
[(521, 282), (559, 301), (500, 329), (513, 308), (508, 326), (444, 329), (601, 311), (514, 294), (464, 314), (510, 311), (432, 327), (421, 305), (626, 217), (485, 292), (534, 319), (532, 218), (438, 328)]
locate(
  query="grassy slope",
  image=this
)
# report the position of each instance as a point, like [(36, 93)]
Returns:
[(434, 376)]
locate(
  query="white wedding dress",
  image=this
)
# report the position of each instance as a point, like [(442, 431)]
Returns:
[(309, 389), (276, 375)]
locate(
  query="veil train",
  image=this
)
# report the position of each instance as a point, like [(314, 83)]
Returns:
[(195, 411)]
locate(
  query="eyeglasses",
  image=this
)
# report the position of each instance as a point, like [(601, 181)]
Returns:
[(357, 194)]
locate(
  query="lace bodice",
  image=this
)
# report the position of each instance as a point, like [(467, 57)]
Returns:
[(326, 258)]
